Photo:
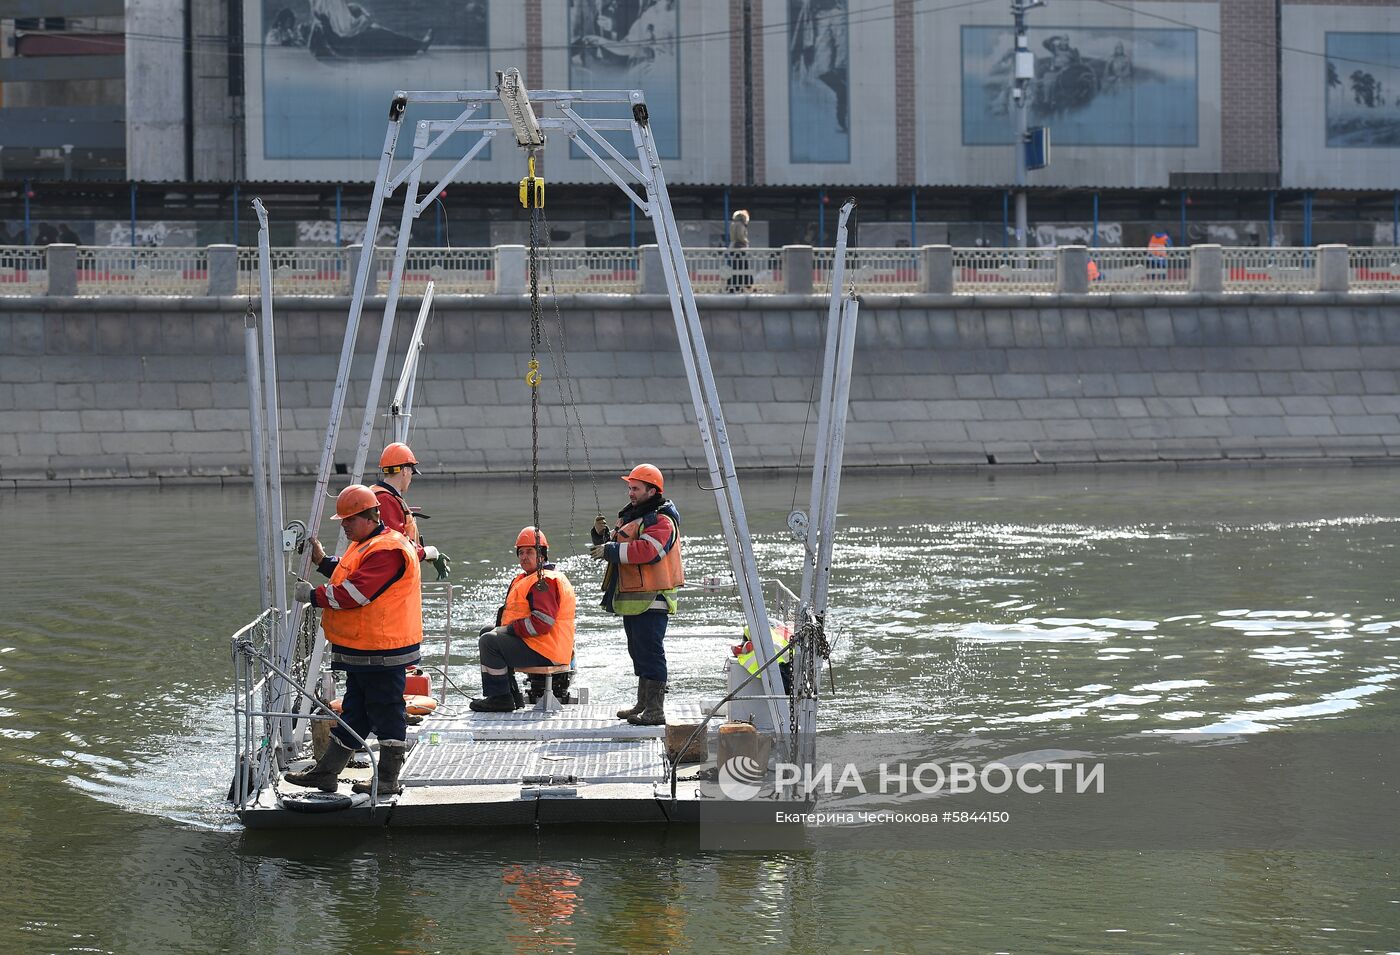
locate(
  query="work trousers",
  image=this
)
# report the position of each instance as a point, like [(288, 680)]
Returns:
[(373, 702), (500, 655), (646, 635)]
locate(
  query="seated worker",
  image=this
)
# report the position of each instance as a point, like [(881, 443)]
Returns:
[(397, 466), (535, 628), (372, 616)]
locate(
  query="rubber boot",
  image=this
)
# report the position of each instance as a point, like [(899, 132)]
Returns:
[(515, 694), (636, 708), (505, 703), (391, 757), (653, 711), (325, 775), (562, 681)]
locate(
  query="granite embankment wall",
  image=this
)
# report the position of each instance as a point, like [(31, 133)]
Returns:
[(115, 390)]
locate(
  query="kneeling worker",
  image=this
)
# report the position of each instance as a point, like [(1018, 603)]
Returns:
[(372, 616), (397, 466), (535, 628)]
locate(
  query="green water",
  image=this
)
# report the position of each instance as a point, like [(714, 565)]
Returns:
[(1127, 603)]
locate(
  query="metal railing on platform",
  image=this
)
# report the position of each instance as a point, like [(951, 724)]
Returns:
[(67, 270)]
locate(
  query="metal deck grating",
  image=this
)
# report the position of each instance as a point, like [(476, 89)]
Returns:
[(453, 757), (592, 721)]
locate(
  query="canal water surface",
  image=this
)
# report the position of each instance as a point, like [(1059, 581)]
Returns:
[(1243, 602)]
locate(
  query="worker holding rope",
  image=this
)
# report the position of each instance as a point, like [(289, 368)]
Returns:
[(643, 553)]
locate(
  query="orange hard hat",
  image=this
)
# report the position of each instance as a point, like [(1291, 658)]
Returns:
[(397, 455), (355, 499), (531, 537), (649, 473)]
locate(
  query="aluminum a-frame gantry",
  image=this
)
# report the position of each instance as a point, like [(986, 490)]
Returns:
[(640, 178)]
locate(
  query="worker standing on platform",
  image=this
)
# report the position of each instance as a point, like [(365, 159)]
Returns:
[(535, 627), (397, 466), (372, 616), (643, 553)]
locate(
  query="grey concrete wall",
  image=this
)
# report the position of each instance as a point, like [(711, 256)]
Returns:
[(134, 389)]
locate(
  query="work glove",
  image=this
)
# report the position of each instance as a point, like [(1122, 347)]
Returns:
[(596, 551), (498, 631), (599, 530), (439, 560), (303, 592)]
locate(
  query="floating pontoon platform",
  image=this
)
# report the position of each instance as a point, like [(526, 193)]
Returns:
[(577, 765)]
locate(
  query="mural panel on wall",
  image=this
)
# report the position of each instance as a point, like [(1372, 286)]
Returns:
[(819, 84), (331, 66), (1363, 89), (1093, 86), (626, 45)]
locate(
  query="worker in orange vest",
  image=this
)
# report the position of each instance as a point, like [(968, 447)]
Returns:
[(372, 616), (397, 466), (643, 553), (535, 627)]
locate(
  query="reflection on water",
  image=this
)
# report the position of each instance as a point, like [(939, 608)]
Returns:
[(1233, 602)]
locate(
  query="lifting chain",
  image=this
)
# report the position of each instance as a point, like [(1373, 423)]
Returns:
[(569, 403), (532, 198)]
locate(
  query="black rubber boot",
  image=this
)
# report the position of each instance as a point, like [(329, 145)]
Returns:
[(515, 694), (504, 703), (634, 709), (653, 712), (391, 756), (325, 775), (561, 685)]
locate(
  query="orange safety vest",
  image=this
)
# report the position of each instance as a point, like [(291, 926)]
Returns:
[(665, 574), (1158, 245), (393, 619), (410, 525), (558, 644)]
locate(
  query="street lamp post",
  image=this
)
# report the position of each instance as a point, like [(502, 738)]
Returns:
[(1023, 75)]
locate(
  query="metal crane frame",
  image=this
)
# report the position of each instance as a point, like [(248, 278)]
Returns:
[(643, 182)]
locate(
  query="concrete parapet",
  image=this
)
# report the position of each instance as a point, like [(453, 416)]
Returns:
[(353, 253), (63, 270), (651, 280), (511, 270), (1072, 270), (1207, 270), (798, 261), (1333, 273), (223, 270), (936, 269)]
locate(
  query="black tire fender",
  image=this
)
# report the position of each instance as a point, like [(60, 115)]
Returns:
[(317, 802)]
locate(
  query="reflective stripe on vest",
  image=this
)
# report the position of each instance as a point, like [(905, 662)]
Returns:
[(664, 574), (410, 524), (557, 645), (392, 620), (750, 661)]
